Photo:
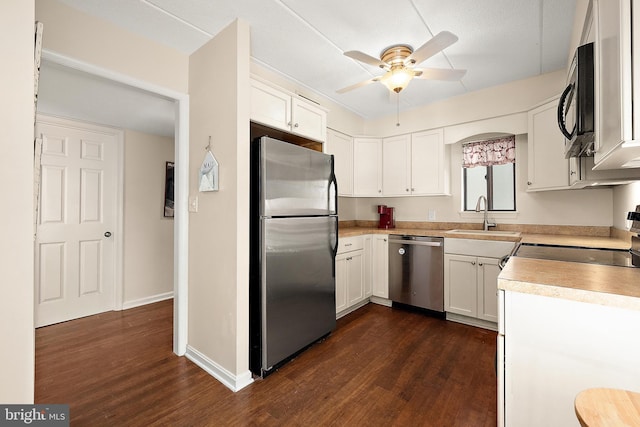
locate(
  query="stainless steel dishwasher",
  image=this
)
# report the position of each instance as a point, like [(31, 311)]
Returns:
[(416, 271)]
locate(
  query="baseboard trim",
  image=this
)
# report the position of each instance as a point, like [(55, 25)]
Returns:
[(147, 300), (352, 308), (231, 381), (471, 321), (381, 301)]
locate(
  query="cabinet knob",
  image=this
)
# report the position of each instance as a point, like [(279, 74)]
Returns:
[(473, 263), (413, 189), (379, 191), (289, 124), (406, 189), (295, 126), (529, 182), (572, 173), (480, 264)]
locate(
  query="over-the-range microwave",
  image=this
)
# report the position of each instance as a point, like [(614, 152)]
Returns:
[(576, 108)]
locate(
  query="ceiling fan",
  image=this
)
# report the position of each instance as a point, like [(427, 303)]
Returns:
[(399, 61)]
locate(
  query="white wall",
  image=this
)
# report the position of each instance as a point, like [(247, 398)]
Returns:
[(78, 35), (148, 235), (219, 231), (17, 358), (566, 207), (509, 98), (625, 199)]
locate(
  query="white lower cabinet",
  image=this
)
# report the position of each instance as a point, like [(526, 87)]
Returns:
[(471, 286), (350, 274), (380, 267), (367, 241)]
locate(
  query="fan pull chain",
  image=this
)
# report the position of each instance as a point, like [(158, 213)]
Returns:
[(398, 109)]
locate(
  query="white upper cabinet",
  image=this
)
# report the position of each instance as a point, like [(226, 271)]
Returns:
[(547, 167), (367, 167), (286, 111), (415, 164), (617, 47), (341, 146), (396, 166), (308, 120), (429, 163)]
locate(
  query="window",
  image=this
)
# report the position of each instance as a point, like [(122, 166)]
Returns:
[(489, 170)]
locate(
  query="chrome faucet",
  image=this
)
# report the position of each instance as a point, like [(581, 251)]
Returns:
[(486, 223)]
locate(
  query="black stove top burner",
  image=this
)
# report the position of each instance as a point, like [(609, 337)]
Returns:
[(614, 257)]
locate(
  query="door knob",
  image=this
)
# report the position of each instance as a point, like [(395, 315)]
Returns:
[(107, 234)]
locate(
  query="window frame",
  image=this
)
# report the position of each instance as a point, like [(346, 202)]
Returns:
[(489, 190)]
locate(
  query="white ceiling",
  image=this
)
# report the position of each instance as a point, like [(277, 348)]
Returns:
[(499, 40)]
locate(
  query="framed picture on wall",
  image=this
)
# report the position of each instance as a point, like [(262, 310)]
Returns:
[(168, 189)]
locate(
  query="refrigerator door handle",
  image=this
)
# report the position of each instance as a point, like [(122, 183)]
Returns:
[(332, 192), (334, 249)]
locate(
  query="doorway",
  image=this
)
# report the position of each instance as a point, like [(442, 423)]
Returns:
[(180, 230)]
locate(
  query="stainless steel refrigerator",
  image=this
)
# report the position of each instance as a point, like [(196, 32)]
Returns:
[(294, 239)]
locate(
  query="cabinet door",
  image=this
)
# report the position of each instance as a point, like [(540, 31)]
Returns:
[(308, 120), (613, 62), (355, 277), (341, 282), (488, 271), (460, 285), (368, 265), (341, 146), (548, 169), (396, 166), (367, 167), (380, 266), (429, 163), (269, 106)]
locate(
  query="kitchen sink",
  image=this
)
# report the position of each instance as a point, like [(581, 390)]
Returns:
[(487, 233)]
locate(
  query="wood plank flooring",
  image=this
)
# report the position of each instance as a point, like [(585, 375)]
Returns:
[(381, 367)]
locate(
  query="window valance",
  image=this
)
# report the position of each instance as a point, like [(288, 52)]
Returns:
[(489, 153)]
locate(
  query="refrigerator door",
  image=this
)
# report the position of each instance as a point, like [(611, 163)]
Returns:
[(298, 284), (295, 181)]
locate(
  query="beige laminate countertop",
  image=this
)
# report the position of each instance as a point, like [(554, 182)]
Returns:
[(550, 239), (592, 283)]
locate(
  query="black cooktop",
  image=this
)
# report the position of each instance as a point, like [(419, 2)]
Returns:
[(615, 257)]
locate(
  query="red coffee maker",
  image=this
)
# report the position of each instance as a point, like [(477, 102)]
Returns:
[(387, 219)]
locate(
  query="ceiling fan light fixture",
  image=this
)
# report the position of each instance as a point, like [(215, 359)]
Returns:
[(397, 79)]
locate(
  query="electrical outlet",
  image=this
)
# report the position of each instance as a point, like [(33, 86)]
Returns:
[(432, 215), (193, 204)]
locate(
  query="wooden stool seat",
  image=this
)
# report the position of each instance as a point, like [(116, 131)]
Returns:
[(600, 407)]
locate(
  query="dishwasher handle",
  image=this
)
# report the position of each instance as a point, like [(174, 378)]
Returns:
[(415, 242)]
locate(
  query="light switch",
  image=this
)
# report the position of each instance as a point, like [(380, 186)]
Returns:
[(193, 204), (432, 215)]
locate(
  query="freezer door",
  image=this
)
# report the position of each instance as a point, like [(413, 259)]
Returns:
[(298, 284), (295, 181)]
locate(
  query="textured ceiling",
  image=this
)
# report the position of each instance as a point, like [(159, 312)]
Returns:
[(499, 40)]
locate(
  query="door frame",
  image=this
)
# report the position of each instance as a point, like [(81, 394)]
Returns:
[(181, 219)]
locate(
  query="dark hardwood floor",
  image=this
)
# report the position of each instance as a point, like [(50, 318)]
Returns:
[(381, 367)]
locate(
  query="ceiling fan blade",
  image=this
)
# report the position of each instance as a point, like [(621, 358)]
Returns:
[(439, 74), (357, 85), (367, 59), (439, 42)]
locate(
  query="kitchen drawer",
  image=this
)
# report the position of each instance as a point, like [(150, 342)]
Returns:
[(348, 244)]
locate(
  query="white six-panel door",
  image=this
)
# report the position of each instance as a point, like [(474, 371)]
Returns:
[(77, 216)]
